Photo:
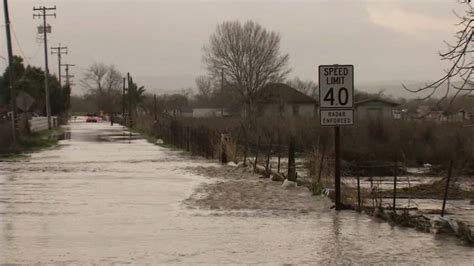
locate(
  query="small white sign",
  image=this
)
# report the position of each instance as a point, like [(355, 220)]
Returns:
[(337, 117), (336, 86)]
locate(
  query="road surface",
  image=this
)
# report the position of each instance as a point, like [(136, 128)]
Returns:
[(105, 197)]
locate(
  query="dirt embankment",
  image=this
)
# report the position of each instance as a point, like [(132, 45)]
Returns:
[(236, 188)]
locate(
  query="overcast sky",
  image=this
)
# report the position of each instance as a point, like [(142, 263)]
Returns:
[(389, 41)]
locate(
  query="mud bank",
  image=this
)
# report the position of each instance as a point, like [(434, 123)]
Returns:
[(237, 188)]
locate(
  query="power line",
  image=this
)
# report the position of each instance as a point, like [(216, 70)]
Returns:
[(19, 46)]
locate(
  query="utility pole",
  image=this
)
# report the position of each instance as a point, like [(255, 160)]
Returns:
[(68, 76), (129, 101), (43, 13), (59, 50), (154, 108), (10, 69), (123, 102)]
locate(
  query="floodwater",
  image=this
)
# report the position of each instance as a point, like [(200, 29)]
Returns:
[(105, 196)]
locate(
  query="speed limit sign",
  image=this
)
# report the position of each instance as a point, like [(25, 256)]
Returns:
[(336, 95)]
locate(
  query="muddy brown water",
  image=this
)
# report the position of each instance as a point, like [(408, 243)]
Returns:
[(120, 201)]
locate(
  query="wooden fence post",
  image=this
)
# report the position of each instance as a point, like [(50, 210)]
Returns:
[(270, 149), (447, 187), (223, 150), (395, 187), (279, 152), (256, 155), (358, 194), (291, 162)]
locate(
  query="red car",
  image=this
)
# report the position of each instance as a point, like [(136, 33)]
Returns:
[(92, 118)]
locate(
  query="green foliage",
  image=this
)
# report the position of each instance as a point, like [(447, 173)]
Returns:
[(30, 79), (317, 188), (30, 143), (35, 141), (18, 71), (135, 94)]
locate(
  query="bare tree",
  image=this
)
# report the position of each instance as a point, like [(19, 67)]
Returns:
[(460, 54), (307, 87), (105, 81), (204, 86), (100, 77), (248, 55)]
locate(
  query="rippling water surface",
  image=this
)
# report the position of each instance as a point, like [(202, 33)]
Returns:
[(104, 196)]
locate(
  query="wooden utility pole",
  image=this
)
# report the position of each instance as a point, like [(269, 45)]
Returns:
[(59, 50), (129, 101), (123, 101), (10, 70), (43, 13), (154, 107), (68, 76)]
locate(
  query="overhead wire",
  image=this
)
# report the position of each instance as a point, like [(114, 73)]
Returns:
[(19, 45)]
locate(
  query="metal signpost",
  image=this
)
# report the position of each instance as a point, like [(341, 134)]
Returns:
[(336, 102)]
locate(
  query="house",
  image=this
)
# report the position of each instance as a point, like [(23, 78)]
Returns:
[(470, 116), (186, 111), (203, 111), (209, 112), (278, 99), (455, 116), (438, 115), (375, 109)]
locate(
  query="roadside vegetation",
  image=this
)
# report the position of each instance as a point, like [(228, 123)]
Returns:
[(29, 86), (31, 143)]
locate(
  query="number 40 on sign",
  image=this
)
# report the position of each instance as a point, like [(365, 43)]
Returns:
[(336, 94), (336, 85)]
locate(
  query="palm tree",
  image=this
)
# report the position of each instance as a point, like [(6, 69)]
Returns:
[(136, 97)]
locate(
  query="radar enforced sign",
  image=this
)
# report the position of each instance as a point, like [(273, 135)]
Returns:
[(336, 95)]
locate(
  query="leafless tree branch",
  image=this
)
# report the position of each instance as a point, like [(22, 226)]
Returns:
[(460, 54)]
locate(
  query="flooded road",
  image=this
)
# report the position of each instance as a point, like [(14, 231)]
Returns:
[(106, 197)]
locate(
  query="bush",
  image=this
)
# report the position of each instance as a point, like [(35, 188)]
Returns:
[(369, 143)]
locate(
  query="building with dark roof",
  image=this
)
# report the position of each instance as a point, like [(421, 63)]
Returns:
[(278, 99), (377, 109)]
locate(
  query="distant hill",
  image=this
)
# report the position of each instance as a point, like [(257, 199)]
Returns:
[(173, 83), (395, 89)]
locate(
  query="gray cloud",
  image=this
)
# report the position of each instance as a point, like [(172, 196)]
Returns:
[(385, 40)]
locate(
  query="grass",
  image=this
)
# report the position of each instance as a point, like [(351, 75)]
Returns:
[(32, 143), (152, 138)]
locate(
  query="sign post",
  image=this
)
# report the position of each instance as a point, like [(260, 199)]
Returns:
[(336, 102)]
